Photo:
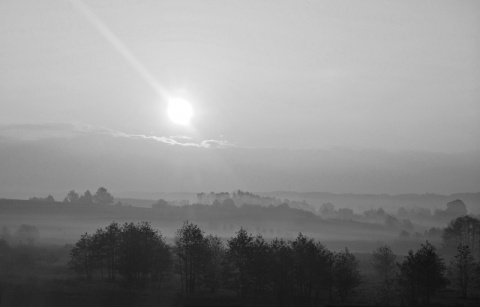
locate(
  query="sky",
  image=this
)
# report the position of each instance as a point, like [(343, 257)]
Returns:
[(338, 96)]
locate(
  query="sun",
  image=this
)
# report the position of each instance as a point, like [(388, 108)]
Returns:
[(180, 111)]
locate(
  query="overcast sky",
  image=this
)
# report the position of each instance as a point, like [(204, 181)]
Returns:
[(366, 78)]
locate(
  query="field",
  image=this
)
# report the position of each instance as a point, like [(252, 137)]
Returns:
[(38, 274)]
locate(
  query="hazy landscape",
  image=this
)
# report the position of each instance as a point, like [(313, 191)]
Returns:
[(239, 153)]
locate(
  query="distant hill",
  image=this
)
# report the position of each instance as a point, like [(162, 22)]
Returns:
[(66, 221), (362, 202), (357, 202)]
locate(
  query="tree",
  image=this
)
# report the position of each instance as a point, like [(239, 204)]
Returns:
[(328, 272), (346, 273), (72, 197), (462, 269), (421, 275), (102, 196), (81, 256), (191, 251), (135, 251), (143, 254), (282, 269), (455, 208), (27, 234), (383, 261), (239, 255), (464, 230), (215, 262), (86, 198), (112, 237), (327, 209), (305, 266), (50, 199), (259, 265)]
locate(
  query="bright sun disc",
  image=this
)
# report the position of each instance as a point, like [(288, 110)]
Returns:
[(180, 111)]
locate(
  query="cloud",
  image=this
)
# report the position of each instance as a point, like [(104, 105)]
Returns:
[(171, 140), (34, 132)]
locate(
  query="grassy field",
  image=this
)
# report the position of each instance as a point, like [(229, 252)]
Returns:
[(39, 276)]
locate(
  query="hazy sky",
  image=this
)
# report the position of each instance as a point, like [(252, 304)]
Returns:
[(296, 77)]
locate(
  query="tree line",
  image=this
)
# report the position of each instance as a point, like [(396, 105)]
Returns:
[(302, 270), (102, 196)]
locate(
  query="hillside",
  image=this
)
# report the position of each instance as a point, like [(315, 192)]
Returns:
[(61, 222)]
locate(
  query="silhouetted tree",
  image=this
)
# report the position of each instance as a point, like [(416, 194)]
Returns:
[(421, 275), (98, 249), (328, 278), (259, 265), (432, 269), (141, 248), (463, 230), (86, 198), (214, 262), (112, 237), (305, 266), (191, 249), (72, 197), (346, 273), (462, 269), (281, 269), (239, 255), (383, 261), (82, 256), (102, 196), (136, 251)]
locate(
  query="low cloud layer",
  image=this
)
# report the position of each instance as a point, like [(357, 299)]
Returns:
[(35, 132)]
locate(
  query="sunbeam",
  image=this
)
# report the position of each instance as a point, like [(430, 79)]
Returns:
[(101, 27)]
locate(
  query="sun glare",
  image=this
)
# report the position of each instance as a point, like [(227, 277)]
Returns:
[(180, 111)]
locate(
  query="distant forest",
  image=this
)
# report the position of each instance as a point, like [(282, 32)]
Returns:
[(226, 211)]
